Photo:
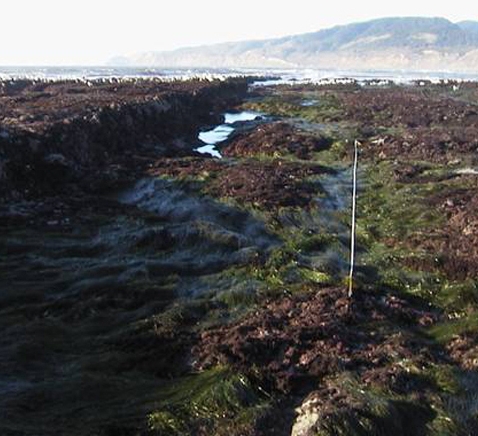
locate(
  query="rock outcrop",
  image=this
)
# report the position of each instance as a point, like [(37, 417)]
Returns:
[(94, 133)]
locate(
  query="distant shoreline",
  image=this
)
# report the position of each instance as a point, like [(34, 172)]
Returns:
[(311, 75)]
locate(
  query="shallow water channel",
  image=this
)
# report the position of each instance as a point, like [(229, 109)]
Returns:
[(220, 133)]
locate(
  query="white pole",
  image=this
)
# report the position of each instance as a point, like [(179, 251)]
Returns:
[(354, 204)]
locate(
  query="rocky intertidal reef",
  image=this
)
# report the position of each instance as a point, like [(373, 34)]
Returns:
[(159, 291), (276, 139), (94, 133)]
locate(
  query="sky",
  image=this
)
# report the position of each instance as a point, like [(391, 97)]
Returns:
[(90, 32)]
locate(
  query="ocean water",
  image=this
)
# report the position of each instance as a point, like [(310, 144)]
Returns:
[(280, 76), (94, 73)]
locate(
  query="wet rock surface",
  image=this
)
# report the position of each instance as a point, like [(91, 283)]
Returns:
[(454, 242), (274, 184), (434, 128), (299, 340), (269, 184), (276, 139)]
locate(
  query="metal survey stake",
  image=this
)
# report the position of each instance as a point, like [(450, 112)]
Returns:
[(354, 204)]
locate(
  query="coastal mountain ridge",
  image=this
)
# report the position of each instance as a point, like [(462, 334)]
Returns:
[(409, 43)]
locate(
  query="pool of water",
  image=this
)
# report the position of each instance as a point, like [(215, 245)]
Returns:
[(309, 103), (220, 133), (240, 116)]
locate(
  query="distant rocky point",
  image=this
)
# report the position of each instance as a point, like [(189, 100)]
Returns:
[(417, 44)]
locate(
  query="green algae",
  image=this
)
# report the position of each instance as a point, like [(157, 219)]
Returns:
[(371, 410), (445, 331), (212, 400), (327, 107), (316, 277)]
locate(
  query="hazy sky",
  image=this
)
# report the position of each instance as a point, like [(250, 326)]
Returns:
[(89, 32)]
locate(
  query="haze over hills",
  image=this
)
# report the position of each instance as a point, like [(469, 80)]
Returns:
[(433, 44)]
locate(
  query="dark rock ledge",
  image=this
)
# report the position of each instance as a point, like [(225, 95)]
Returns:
[(57, 136)]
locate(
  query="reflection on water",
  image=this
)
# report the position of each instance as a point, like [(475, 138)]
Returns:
[(308, 103), (220, 133), (241, 116), (209, 149)]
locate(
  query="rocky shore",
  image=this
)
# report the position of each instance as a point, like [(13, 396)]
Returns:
[(94, 134), (147, 289)]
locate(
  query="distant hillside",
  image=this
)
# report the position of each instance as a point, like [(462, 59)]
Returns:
[(388, 43), (469, 26)]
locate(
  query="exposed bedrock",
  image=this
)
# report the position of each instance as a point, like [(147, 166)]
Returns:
[(99, 135)]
